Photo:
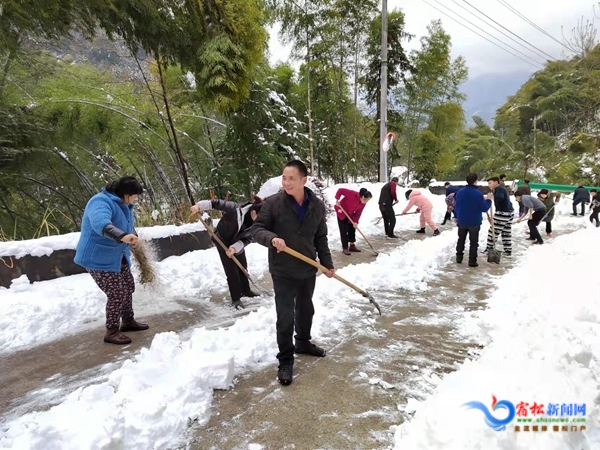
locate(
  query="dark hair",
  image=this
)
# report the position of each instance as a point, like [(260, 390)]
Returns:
[(447, 183), (395, 179), (471, 179), (544, 191), (579, 187), (496, 179), (519, 192), (298, 165), (526, 181), (125, 186), (502, 176), (257, 204), (593, 190), (407, 193), (364, 193)]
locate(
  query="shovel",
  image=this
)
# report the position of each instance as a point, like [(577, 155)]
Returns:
[(493, 255), (400, 214), (322, 268), (235, 260), (358, 229)]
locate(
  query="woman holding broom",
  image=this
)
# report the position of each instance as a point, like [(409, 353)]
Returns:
[(234, 230), (352, 204), (107, 233)]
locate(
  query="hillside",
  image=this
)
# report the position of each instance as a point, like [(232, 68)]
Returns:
[(486, 93)]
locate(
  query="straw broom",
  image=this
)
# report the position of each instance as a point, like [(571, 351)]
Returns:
[(146, 262)]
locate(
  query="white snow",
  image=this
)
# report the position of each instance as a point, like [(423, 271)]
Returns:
[(273, 186), (542, 337), (149, 400), (46, 245)]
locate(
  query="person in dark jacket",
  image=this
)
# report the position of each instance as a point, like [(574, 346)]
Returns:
[(595, 207), (296, 218), (450, 189), (536, 210), (470, 205), (549, 200), (387, 200), (502, 179), (526, 190), (353, 204), (581, 195), (504, 215), (107, 233), (234, 231)]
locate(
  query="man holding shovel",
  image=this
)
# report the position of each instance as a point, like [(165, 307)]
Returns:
[(294, 217)]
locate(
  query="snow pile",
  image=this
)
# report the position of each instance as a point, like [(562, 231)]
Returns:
[(542, 346), (273, 186), (149, 401), (32, 314), (44, 246)]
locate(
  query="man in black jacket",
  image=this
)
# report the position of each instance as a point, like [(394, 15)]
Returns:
[(234, 231), (581, 195), (387, 200), (296, 218)]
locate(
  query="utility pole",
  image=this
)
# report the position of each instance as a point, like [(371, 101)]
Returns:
[(383, 171)]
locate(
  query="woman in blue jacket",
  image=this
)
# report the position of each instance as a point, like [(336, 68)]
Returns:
[(107, 232)]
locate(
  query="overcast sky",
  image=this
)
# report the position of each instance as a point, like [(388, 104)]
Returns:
[(481, 55)]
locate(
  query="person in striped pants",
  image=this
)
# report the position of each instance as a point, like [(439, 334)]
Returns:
[(503, 217)]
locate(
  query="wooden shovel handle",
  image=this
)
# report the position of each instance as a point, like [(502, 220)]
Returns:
[(220, 242), (322, 268)]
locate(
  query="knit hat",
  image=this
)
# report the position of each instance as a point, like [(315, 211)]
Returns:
[(407, 193)]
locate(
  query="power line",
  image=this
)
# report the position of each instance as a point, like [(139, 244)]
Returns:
[(502, 32), (535, 63), (522, 16), (516, 35)]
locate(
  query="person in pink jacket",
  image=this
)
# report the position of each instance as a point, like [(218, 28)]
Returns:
[(425, 207), (353, 203)]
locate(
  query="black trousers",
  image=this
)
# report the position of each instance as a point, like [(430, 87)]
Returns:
[(473, 233), (347, 232), (389, 219), (548, 226), (236, 279), (294, 305), (594, 215), (536, 218), (577, 202)]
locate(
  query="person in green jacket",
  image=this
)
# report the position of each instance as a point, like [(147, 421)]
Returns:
[(549, 199)]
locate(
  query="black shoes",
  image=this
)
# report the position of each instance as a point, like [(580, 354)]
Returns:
[(237, 304), (285, 374), (310, 349), (436, 232), (421, 231), (459, 258)]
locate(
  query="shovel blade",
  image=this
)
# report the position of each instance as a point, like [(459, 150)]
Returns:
[(373, 302), (494, 256)]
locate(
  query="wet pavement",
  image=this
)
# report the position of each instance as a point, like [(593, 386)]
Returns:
[(352, 397)]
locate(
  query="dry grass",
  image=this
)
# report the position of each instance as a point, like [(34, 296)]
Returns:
[(144, 257)]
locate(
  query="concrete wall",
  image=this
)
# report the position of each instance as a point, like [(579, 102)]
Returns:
[(60, 262)]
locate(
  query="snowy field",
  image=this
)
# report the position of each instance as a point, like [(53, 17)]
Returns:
[(149, 401)]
